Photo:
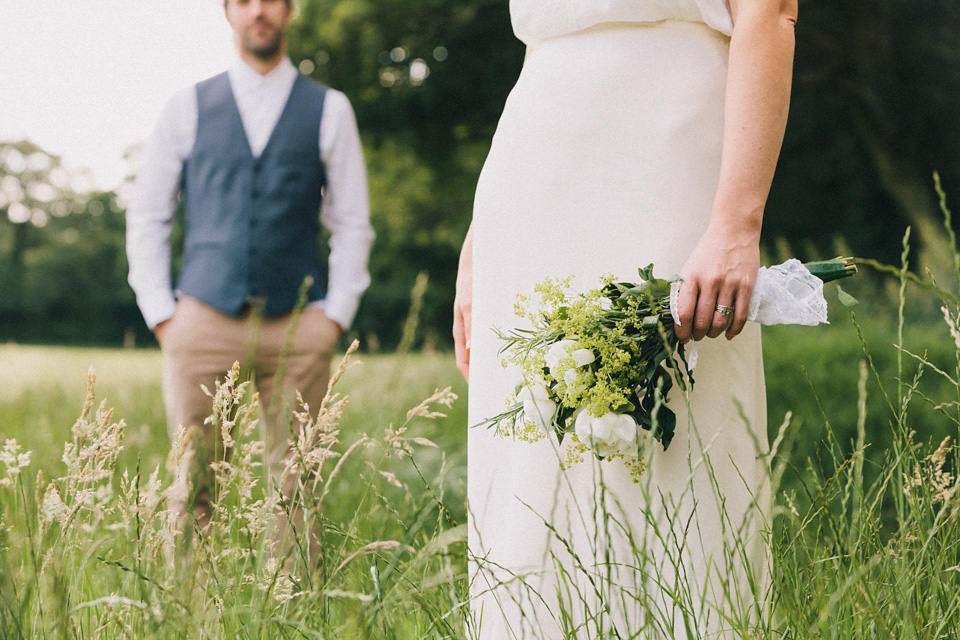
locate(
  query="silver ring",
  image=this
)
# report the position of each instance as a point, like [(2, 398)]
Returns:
[(724, 310)]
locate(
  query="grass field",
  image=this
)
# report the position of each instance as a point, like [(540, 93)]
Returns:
[(865, 538), (44, 389), (406, 500)]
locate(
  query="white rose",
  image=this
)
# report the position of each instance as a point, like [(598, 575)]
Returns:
[(609, 434), (566, 349), (538, 407), (577, 380)]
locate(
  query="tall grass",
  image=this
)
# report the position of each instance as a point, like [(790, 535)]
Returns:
[(880, 559), (90, 549), (864, 532)]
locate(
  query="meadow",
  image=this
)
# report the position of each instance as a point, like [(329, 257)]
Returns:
[(864, 532)]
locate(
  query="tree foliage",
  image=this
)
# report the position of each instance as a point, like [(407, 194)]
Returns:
[(875, 111), (427, 79), (63, 266)]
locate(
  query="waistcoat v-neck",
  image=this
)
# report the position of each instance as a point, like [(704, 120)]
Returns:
[(252, 224)]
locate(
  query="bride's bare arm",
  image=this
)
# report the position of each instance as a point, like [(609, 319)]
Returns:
[(723, 266), (463, 305)]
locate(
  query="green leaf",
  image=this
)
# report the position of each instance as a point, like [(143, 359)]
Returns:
[(845, 298), (624, 407), (666, 425), (647, 272)]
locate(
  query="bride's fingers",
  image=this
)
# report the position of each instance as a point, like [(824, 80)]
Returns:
[(722, 315), (706, 314), (740, 311), (461, 340), (686, 307)]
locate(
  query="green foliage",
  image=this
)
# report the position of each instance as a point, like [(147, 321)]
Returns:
[(367, 48), (63, 267), (425, 138), (412, 237), (875, 111)]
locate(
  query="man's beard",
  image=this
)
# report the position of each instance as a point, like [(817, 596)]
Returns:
[(266, 51)]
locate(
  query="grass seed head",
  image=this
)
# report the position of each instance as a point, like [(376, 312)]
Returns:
[(14, 460)]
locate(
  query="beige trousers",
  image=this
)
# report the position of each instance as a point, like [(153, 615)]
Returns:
[(201, 344)]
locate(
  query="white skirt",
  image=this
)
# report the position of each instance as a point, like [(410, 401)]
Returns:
[(606, 159)]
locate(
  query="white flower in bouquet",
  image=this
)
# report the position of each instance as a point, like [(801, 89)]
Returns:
[(566, 360), (564, 355), (607, 435), (538, 407), (577, 381)]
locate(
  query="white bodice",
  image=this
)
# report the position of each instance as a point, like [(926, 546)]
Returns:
[(537, 20)]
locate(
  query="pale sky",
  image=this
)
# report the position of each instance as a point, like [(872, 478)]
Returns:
[(86, 79)]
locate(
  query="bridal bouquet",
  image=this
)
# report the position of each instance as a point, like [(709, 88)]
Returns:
[(597, 366)]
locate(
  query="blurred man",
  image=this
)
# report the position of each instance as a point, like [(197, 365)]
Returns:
[(254, 152)]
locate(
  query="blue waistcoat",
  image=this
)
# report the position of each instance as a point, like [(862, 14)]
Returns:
[(252, 224)]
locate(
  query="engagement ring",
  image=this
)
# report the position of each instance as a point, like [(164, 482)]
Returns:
[(724, 310)]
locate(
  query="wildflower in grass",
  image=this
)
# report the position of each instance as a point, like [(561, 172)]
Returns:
[(91, 459), (179, 462), (398, 443), (929, 478), (255, 517), (227, 396), (316, 438), (952, 325), (144, 513), (53, 510), (97, 552), (445, 397), (391, 478), (284, 589), (150, 495), (97, 442), (14, 460)]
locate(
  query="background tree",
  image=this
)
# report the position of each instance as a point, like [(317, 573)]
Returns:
[(428, 79), (63, 268), (875, 110)]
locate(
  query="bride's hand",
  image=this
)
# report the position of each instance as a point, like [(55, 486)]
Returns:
[(719, 274), (463, 307)]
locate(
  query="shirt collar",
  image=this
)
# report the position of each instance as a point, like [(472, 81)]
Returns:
[(244, 78)]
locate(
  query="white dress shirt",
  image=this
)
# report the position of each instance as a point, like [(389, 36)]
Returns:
[(260, 100)]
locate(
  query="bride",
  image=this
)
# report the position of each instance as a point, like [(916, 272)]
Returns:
[(637, 132)]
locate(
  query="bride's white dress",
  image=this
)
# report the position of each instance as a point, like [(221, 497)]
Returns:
[(606, 158)]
